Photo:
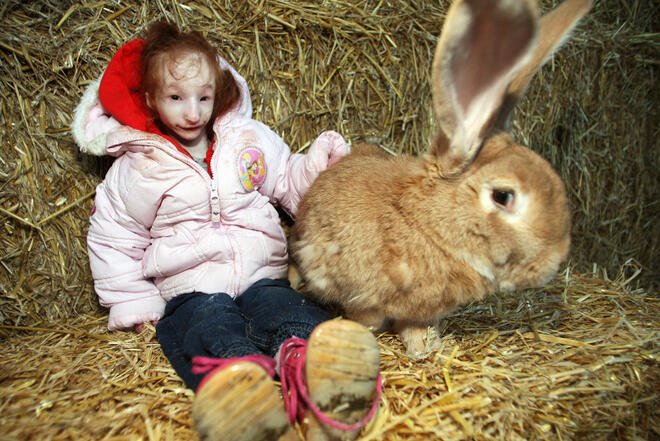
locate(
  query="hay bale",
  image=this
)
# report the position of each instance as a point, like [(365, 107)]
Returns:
[(362, 69), (577, 360), (592, 113)]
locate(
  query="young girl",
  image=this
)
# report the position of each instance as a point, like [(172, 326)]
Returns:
[(185, 235)]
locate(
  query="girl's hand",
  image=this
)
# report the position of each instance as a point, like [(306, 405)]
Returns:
[(331, 145), (140, 326)]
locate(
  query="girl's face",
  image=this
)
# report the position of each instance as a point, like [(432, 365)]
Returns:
[(184, 100)]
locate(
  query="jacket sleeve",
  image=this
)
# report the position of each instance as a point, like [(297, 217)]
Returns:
[(290, 175), (116, 242)]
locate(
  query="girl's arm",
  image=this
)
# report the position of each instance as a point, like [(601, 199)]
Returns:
[(116, 242), (296, 172)]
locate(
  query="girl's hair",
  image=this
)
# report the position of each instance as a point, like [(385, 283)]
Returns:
[(164, 43)]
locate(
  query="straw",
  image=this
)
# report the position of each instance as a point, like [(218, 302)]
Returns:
[(576, 360)]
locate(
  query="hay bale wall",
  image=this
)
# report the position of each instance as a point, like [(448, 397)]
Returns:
[(359, 67), (575, 360)]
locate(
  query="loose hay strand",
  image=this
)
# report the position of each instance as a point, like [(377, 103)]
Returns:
[(577, 360)]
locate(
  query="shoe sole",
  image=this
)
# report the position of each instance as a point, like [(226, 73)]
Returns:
[(241, 403), (341, 369)]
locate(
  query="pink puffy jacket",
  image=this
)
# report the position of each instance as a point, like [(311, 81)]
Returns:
[(162, 225)]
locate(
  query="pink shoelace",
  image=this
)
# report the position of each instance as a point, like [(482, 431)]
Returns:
[(294, 389), (205, 365)]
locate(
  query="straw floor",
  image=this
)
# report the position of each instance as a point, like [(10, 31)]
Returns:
[(575, 360)]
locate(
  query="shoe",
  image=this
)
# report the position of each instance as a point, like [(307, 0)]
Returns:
[(238, 401), (331, 383)]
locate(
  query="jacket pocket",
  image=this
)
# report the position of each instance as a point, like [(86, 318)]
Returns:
[(181, 251)]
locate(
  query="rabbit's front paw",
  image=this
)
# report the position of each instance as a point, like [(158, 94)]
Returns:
[(414, 339)]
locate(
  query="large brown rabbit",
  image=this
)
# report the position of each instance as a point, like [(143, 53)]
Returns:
[(404, 240)]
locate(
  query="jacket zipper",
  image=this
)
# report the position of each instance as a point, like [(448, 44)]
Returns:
[(215, 205), (215, 221)]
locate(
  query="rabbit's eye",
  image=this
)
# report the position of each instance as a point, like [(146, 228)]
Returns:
[(503, 198)]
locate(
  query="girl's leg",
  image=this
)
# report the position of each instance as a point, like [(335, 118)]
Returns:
[(342, 382), (202, 325), (240, 402), (336, 371), (235, 402), (274, 312)]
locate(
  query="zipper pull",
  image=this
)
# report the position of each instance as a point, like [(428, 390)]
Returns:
[(215, 205)]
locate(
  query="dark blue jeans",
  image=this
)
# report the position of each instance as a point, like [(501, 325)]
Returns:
[(215, 325)]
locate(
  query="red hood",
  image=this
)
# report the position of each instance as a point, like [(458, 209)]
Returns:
[(119, 92)]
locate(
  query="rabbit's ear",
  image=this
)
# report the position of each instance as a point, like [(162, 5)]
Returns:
[(483, 46), (553, 30)]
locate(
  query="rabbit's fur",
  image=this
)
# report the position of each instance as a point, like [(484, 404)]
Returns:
[(402, 240)]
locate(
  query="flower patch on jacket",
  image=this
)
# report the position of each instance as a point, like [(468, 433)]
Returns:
[(251, 168)]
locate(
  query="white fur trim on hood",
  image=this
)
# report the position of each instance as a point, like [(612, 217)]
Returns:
[(91, 123)]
